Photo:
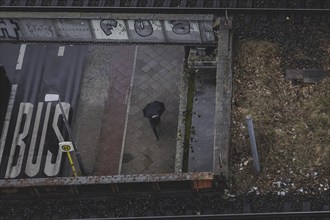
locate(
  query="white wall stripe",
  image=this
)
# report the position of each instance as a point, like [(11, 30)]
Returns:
[(21, 57)]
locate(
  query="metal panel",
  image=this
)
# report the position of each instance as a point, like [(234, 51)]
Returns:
[(9, 30), (69, 29), (110, 29), (145, 31), (42, 29), (180, 31)]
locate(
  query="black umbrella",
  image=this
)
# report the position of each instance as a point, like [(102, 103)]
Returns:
[(153, 111)]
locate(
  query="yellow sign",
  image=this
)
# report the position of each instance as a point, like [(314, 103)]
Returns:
[(66, 146)]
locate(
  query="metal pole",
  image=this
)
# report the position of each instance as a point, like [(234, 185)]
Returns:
[(77, 153), (71, 164), (253, 143)]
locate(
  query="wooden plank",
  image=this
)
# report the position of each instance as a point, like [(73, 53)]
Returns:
[(69, 3), (216, 4), (54, 3), (233, 4), (282, 17), (38, 3), (117, 3), (200, 3), (101, 3), (134, 3), (306, 206), (248, 18), (183, 3), (287, 207), (85, 3), (298, 18), (6, 3), (23, 2), (167, 3), (150, 3)]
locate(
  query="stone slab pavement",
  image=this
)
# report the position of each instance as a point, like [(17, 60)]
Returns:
[(91, 104), (109, 149), (157, 76)]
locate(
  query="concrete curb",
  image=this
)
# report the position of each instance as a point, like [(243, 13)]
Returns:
[(223, 102), (181, 124)]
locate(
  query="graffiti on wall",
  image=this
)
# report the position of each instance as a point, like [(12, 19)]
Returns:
[(108, 25), (38, 28), (130, 31), (9, 29), (143, 27), (181, 27)]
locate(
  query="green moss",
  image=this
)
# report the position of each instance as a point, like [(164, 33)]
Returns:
[(190, 74)]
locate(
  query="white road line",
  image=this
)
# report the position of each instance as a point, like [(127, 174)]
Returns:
[(7, 119), (127, 112), (61, 50), (21, 57)]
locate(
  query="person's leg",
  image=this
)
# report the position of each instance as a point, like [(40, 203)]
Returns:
[(153, 124)]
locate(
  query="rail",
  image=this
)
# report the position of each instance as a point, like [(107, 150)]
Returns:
[(168, 6)]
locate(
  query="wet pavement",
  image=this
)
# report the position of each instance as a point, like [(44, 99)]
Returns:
[(91, 105), (202, 132), (113, 124), (112, 134), (157, 76), (110, 130)]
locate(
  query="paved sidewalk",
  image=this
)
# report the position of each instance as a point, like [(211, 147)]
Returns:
[(157, 76), (95, 82), (114, 116)]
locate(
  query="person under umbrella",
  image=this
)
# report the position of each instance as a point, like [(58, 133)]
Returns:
[(153, 111)]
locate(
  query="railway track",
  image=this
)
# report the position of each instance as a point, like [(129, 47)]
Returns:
[(170, 205), (169, 6)]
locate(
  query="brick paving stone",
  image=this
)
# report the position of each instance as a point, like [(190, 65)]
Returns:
[(157, 76), (114, 116)]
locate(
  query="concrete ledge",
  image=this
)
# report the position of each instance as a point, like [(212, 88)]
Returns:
[(223, 103), (91, 180), (181, 124)]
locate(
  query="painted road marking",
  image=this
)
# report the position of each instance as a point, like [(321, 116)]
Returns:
[(21, 57), (7, 119), (61, 51)]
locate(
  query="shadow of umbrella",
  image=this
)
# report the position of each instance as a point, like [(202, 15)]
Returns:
[(153, 111)]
